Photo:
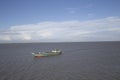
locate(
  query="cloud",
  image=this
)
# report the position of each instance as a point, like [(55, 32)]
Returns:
[(72, 10), (90, 15), (5, 37), (50, 31)]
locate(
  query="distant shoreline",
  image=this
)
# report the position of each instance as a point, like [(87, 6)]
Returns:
[(58, 42)]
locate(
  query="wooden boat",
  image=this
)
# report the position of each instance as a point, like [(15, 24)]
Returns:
[(45, 54)]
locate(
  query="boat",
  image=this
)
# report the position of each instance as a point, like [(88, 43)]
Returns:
[(45, 54)]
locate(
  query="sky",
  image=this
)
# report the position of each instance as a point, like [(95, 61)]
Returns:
[(59, 20)]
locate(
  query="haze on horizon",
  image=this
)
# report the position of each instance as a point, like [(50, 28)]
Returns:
[(59, 20)]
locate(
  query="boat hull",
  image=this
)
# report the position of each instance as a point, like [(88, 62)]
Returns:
[(46, 54)]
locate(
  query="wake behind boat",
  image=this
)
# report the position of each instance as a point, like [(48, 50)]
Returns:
[(45, 54)]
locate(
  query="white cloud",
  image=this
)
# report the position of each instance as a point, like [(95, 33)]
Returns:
[(92, 30), (72, 10), (91, 15), (5, 37)]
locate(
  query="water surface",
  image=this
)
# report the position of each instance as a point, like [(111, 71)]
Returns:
[(79, 61)]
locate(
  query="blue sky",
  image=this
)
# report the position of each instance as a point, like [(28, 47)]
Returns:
[(59, 20)]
